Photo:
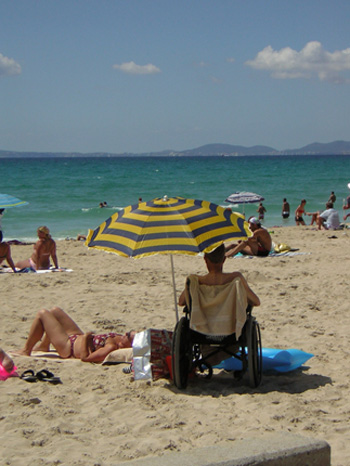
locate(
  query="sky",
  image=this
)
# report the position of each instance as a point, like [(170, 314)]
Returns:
[(150, 75)]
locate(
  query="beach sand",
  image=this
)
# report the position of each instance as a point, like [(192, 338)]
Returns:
[(99, 416)]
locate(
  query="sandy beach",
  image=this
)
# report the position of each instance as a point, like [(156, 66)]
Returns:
[(99, 416)]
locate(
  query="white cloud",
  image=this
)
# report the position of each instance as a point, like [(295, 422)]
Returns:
[(8, 66), (312, 60), (132, 68), (230, 60)]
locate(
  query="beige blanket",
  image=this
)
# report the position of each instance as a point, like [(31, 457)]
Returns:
[(217, 309)]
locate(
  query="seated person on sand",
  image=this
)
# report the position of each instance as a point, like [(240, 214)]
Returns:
[(215, 276), (57, 328), (6, 361), (259, 244), (44, 248), (329, 218), (5, 253)]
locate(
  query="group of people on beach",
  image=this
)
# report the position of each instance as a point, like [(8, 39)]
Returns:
[(327, 219), (44, 250), (55, 327)]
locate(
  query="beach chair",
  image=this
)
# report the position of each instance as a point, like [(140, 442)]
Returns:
[(209, 333)]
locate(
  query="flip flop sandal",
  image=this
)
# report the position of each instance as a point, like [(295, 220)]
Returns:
[(47, 376), (29, 376)]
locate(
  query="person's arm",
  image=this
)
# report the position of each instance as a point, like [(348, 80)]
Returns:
[(53, 254), (253, 299), (100, 354), (9, 259)]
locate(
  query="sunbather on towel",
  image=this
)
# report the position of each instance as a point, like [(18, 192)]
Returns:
[(57, 328), (215, 276), (44, 248), (257, 245)]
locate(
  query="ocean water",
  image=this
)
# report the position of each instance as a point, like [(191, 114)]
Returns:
[(64, 193)]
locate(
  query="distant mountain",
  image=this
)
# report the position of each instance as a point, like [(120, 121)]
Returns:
[(331, 148)]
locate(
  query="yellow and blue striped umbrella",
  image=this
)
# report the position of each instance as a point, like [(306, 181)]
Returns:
[(168, 225)]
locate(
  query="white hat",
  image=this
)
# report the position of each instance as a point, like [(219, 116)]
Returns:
[(349, 185), (254, 220)]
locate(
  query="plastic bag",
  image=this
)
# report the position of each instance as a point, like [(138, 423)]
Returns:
[(150, 349)]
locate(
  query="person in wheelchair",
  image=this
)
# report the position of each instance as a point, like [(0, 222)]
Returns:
[(218, 323), (215, 276)]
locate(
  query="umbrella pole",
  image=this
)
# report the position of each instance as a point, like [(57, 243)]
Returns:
[(174, 287)]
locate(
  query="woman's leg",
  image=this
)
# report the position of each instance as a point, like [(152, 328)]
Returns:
[(70, 327), (45, 321), (22, 264), (68, 324)]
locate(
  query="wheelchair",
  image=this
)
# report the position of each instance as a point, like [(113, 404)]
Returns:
[(193, 351)]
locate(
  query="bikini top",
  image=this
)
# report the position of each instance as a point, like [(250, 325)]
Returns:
[(99, 340)]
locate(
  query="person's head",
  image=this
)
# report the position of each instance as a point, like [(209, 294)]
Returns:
[(254, 223), (329, 205), (127, 339), (303, 202), (217, 256), (2, 211), (285, 200), (43, 232)]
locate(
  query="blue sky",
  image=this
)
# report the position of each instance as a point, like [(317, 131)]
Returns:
[(139, 76)]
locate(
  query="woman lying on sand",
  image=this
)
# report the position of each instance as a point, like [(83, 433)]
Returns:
[(57, 328), (44, 248)]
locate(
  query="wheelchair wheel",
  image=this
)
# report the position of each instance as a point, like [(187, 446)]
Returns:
[(181, 353), (254, 350)]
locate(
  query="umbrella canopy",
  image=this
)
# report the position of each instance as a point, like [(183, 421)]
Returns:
[(244, 197), (7, 201), (167, 225)]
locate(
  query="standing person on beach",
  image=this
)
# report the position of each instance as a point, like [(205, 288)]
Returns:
[(5, 253), (261, 211), (44, 248), (347, 205), (285, 209), (300, 210), (57, 328), (332, 198)]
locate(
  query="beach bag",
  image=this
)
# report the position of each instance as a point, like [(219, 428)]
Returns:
[(150, 350)]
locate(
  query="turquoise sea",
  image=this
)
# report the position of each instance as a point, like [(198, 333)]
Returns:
[(64, 193)]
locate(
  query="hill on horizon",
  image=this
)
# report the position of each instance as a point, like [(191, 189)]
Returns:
[(316, 148)]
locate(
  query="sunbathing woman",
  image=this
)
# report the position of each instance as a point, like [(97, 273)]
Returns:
[(5, 253), (57, 328), (44, 248)]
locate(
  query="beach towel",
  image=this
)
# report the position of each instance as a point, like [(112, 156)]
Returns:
[(31, 270), (217, 309)]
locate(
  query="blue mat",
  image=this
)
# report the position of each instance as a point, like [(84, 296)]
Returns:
[(272, 360)]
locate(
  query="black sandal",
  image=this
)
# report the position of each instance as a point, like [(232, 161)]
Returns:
[(29, 376), (47, 376)]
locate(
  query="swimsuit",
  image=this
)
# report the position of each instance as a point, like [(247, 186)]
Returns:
[(262, 252), (98, 341)]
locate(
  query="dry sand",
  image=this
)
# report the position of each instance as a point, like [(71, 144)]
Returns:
[(99, 416)]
